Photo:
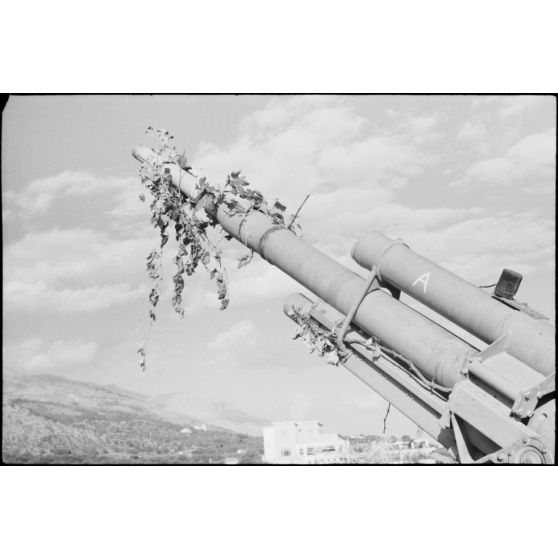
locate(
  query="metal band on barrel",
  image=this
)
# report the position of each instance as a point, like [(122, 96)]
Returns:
[(266, 234), (384, 252)]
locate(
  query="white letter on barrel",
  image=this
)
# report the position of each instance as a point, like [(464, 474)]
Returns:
[(424, 280)]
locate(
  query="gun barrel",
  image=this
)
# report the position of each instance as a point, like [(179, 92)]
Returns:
[(439, 354), (528, 339)]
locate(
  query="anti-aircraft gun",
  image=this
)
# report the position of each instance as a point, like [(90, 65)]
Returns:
[(495, 405)]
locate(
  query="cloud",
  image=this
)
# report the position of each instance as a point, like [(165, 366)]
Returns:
[(506, 107), (38, 296), (384, 162), (362, 180), (74, 270), (65, 255), (325, 118), (423, 123), (260, 281), (334, 220), (38, 197), (36, 355), (513, 106), (307, 144), (535, 152), (520, 241), (470, 132), (239, 334), (530, 161)]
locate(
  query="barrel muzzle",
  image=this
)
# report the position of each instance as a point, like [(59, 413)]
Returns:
[(143, 154)]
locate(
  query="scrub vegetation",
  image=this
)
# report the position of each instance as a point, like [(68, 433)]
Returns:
[(47, 419)]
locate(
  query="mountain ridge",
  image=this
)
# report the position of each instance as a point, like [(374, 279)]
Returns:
[(54, 419)]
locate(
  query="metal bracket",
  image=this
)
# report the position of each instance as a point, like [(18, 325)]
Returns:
[(385, 251), (513, 441), (520, 307), (508, 376), (341, 331), (396, 293), (373, 282), (462, 451), (524, 406), (526, 451)]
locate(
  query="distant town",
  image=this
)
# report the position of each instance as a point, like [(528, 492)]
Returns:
[(307, 443)]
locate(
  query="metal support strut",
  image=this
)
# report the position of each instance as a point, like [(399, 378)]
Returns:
[(342, 331)]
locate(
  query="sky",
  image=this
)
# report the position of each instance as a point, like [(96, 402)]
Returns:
[(467, 181)]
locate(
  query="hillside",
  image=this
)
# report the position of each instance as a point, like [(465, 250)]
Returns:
[(217, 413), (49, 419)]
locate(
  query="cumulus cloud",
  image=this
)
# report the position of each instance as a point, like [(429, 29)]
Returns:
[(322, 146), (361, 179), (38, 197), (423, 123), (308, 144), (325, 118), (520, 241), (472, 132), (514, 106), (38, 296), (261, 282), (339, 217), (36, 355), (380, 161), (74, 270), (238, 334), (506, 106), (61, 255), (530, 161)]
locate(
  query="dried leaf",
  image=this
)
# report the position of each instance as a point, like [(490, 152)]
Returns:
[(315, 337), (141, 361), (332, 358), (245, 260)]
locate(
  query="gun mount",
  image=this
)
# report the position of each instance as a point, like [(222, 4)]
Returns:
[(494, 405)]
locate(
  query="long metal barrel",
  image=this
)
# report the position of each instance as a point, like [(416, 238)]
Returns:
[(439, 354), (529, 340)]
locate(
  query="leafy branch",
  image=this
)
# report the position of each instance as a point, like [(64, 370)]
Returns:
[(317, 339), (172, 210)]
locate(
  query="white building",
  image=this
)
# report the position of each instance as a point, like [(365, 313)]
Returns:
[(303, 442)]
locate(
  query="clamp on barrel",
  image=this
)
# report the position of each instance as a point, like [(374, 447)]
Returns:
[(387, 248), (396, 293), (341, 331), (375, 276)]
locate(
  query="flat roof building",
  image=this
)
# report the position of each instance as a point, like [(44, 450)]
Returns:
[(303, 442)]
